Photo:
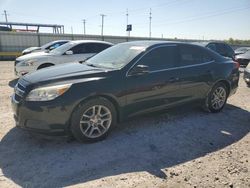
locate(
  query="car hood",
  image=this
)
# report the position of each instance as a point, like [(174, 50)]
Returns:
[(61, 73), (30, 49), (33, 56), (244, 56)]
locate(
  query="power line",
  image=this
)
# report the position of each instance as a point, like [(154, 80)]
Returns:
[(218, 13), (193, 18)]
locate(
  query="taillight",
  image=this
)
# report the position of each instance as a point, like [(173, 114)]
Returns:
[(237, 64)]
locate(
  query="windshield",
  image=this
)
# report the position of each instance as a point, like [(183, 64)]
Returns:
[(62, 49), (47, 44), (116, 57)]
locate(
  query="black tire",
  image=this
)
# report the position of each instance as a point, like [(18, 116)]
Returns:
[(45, 65), (83, 108), (209, 105)]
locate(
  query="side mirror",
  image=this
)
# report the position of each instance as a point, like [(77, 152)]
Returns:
[(139, 70), (70, 52)]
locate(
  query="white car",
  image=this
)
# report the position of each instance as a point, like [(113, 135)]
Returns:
[(46, 47), (73, 51)]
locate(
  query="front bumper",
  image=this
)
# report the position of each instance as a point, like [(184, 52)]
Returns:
[(22, 70), (41, 117)]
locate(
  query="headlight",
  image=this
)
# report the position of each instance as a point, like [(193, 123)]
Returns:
[(27, 63), (47, 93)]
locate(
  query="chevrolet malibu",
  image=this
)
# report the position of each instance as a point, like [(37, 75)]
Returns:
[(88, 100)]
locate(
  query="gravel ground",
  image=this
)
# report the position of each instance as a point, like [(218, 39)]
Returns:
[(184, 147)]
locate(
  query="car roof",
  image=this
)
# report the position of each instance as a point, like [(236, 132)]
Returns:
[(147, 44), (151, 43), (205, 43), (60, 41), (90, 41)]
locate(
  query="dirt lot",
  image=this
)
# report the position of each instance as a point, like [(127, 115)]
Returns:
[(179, 148)]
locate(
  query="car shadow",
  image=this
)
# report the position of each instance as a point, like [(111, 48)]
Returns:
[(148, 143), (13, 82)]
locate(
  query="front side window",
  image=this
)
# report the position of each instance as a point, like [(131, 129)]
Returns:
[(212, 46), (160, 58)]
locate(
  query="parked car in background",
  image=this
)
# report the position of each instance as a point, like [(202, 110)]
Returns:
[(78, 50), (219, 47), (247, 75), (241, 50), (243, 59), (125, 80), (46, 47)]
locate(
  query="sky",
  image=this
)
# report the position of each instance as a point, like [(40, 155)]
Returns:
[(186, 19)]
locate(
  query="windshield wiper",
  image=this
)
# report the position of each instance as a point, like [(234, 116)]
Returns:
[(92, 65), (85, 60)]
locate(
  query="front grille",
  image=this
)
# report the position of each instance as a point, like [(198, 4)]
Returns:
[(19, 92)]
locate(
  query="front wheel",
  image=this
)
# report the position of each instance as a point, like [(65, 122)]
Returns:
[(93, 120), (217, 98)]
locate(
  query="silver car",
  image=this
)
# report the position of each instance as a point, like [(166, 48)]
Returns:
[(46, 47), (73, 51), (243, 59)]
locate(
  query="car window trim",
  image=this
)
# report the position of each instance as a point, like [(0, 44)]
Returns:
[(185, 66), (163, 45)]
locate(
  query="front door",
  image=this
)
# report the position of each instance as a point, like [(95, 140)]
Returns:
[(157, 88)]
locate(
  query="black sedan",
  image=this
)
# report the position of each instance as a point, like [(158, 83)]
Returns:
[(128, 79)]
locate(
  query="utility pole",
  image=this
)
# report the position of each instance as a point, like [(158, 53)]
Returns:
[(150, 18), (127, 16), (84, 29), (127, 23), (5, 15), (102, 15), (72, 33)]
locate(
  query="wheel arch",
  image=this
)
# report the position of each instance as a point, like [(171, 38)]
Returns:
[(226, 83), (109, 98), (43, 65)]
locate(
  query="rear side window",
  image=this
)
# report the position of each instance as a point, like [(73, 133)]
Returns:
[(79, 49), (229, 50), (96, 47), (89, 48), (212, 46), (192, 55), (160, 58)]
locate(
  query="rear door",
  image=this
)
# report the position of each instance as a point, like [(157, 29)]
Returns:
[(159, 87), (196, 67)]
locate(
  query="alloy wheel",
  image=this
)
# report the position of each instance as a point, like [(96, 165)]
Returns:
[(95, 121), (219, 97)]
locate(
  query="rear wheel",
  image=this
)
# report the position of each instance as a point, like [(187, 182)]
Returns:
[(217, 98), (93, 120)]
